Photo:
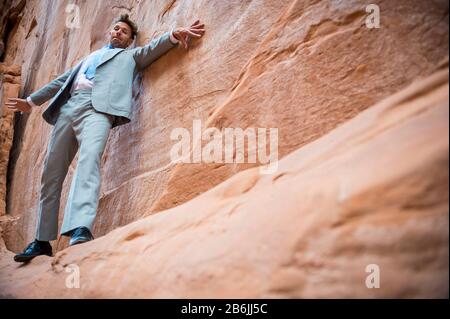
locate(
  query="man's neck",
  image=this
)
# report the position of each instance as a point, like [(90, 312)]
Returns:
[(110, 46)]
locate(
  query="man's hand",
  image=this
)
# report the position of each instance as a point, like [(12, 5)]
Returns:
[(184, 34), (18, 105)]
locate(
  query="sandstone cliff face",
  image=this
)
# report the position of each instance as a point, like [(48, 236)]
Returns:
[(364, 183), (10, 80), (359, 196)]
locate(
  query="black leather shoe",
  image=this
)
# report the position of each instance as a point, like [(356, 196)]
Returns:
[(80, 235), (36, 248)]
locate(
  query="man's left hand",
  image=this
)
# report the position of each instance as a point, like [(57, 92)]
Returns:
[(184, 34)]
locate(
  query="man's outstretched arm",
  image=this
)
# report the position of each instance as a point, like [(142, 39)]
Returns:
[(48, 91), (39, 97), (146, 55)]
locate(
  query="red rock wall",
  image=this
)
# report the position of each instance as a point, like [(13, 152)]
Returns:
[(10, 87), (360, 199), (304, 67)]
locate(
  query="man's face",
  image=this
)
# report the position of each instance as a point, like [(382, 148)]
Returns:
[(120, 35)]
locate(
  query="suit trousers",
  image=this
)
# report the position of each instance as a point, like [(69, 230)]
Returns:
[(78, 126)]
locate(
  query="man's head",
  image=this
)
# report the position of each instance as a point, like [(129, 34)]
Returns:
[(123, 32)]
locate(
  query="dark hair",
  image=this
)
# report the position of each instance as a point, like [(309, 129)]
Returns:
[(126, 19)]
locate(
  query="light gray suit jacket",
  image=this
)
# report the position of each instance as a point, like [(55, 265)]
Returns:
[(113, 82)]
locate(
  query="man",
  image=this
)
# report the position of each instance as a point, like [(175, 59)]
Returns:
[(88, 100)]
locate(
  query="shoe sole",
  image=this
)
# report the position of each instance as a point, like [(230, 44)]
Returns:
[(23, 259), (79, 241)]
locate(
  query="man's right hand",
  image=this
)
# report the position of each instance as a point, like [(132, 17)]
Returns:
[(18, 105)]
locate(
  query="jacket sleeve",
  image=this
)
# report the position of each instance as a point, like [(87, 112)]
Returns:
[(146, 55), (48, 91)]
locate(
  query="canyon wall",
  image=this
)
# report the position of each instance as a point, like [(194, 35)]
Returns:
[(307, 68)]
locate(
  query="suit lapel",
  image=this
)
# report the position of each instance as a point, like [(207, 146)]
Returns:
[(109, 55), (75, 71)]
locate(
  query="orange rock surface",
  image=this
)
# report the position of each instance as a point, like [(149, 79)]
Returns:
[(362, 116)]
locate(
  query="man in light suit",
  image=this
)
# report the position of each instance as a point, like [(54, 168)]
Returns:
[(88, 100)]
